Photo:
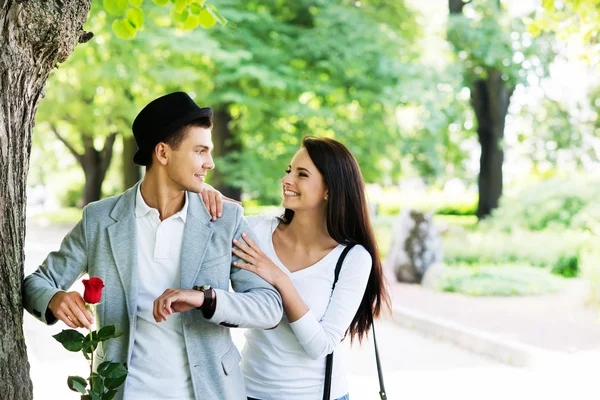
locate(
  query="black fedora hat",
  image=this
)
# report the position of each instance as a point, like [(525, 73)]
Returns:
[(161, 117)]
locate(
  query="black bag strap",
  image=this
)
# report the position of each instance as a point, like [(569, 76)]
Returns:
[(329, 359)]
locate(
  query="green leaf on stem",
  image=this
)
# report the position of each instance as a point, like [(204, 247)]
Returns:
[(70, 339), (95, 395), (77, 384), (97, 383), (207, 19), (109, 395), (108, 332)]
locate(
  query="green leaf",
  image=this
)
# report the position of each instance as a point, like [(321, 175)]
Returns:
[(113, 383), (111, 369), (191, 22), (195, 8), (161, 3), (181, 17), (123, 29), (95, 395), (97, 383), (107, 332), (136, 3), (77, 384), (116, 7), (110, 394), (135, 17), (180, 5), (207, 19), (70, 339), (215, 13)]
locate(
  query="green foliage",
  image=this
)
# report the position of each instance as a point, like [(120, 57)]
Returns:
[(488, 246), (567, 266), (560, 202), (573, 21), (128, 16), (486, 40), (393, 200), (109, 376), (498, 281)]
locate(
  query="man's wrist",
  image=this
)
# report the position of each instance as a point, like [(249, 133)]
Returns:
[(209, 305)]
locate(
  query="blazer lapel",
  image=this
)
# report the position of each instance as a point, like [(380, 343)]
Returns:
[(122, 237), (196, 237)]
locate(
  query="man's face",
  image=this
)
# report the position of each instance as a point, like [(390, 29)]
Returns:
[(187, 166)]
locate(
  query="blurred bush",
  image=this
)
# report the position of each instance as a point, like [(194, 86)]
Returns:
[(392, 200), (498, 281), (555, 250), (558, 203)]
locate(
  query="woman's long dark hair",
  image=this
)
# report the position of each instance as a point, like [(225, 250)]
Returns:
[(348, 222)]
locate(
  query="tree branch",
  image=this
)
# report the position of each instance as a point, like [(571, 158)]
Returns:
[(74, 152)]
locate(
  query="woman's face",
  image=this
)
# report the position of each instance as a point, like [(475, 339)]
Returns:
[(303, 186)]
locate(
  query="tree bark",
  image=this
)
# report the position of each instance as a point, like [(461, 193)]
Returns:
[(131, 171), (225, 142), (490, 99), (95, 165), (93, 162), (35, 35)]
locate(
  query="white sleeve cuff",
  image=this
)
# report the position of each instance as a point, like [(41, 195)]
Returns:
[(222, 305), (306, 328)]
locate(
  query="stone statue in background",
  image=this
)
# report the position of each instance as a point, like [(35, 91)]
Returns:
[(415, 247)]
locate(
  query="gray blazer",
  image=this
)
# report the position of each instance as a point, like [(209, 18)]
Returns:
[(103, 244)]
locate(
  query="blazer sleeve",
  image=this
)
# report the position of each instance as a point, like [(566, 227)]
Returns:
[(57, 273), (254, 303)]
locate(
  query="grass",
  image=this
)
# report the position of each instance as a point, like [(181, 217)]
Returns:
[(494, 280), (68, 215)]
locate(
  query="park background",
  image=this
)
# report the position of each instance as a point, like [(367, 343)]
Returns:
[(419, 90)]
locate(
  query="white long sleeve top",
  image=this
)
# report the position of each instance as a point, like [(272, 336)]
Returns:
[(289, 362)]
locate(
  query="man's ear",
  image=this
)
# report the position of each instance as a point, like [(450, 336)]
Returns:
[(162, 152)]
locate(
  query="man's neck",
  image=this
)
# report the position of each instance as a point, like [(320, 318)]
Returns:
[(165, 198)]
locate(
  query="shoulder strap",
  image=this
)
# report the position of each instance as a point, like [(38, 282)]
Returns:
[(329, 359)]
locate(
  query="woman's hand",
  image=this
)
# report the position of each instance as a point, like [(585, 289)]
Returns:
[(213, 200), (257, 262)]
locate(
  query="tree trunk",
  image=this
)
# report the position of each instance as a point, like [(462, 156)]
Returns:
[(225, 143), (490, 99), (34, 36), (95, 164), (131, 171)]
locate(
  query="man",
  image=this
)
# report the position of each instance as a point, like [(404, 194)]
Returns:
[(158, 235)]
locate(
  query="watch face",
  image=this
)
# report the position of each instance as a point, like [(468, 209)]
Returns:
[(202, 288)]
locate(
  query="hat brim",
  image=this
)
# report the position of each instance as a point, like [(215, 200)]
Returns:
[(142, 158)]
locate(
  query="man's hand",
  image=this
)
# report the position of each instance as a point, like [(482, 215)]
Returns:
[(69, 307), (213, 200), (176, 300)]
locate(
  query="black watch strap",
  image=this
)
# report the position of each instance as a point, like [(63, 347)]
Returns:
[(209, 305)]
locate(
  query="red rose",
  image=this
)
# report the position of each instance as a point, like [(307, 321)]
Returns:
[(93, 290)]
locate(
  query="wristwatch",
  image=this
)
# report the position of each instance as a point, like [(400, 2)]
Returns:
[(209, 305)]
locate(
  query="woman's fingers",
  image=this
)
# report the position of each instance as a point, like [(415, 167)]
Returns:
[(244, 256), (247, 267), (245, 248), (215, 203)]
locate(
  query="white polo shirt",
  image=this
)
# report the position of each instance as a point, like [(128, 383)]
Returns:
[(159, 367)]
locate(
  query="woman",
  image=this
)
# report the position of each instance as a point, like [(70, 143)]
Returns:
[(325, 210)]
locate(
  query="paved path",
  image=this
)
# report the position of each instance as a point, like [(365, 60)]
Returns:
[(416, 367), (556, 322)]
